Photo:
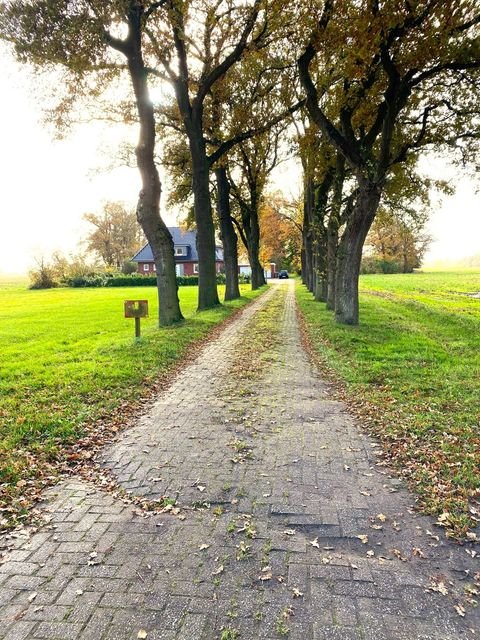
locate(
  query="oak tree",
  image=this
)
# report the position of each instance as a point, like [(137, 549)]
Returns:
[(96, 41), (404, 76)]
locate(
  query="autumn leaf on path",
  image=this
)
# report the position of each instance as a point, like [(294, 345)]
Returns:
[(266, 574), (142, 634), (314, 543), (439, 587), (218, 571), (363, 538)]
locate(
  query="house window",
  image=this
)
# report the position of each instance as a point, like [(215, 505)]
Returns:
[(154, 267), (195, 267), (180, 251), (146, 267)]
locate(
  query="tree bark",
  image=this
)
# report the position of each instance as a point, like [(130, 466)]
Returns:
[(321, 194), (349, 253), (258, 273), (148, 207), (229, 236), (207, 276), (333, 227), (332, 246), (308, 198)]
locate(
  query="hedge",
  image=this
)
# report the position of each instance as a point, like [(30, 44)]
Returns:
[(136, 280)]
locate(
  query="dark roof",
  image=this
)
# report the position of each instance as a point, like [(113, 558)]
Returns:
[(181, 238)]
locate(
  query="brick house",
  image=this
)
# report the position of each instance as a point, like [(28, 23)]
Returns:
[(186, 256)]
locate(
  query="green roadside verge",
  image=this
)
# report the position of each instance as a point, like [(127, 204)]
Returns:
[(72, 375), (411, 372)]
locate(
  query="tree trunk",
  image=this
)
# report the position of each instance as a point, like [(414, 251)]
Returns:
[(258, 273), (319, 281), (229, 237), (321, 193), (333, 227), (148, 207), (349, 253), (308, 203), (207, 276), (332, 245)]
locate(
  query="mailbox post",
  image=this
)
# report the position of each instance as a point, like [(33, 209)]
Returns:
[(136, 309)]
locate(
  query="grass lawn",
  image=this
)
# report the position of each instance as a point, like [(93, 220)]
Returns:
[(69, 359), (412, 370)]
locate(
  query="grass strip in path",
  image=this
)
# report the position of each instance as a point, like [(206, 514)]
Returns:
[(71, 374), (411, 370)]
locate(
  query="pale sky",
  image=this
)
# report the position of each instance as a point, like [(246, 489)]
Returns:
[(47, 185)]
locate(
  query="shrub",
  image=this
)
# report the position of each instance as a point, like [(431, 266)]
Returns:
[(136, 280), (133, 280), (370, 264), (43, 276), (90, 280), (129, 267), (187, 281)]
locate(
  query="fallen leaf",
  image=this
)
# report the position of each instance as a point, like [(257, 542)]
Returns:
[(297, 593), (266, 574), (363, 538), (365, 493), (314, 543), (202, 547), (200, 487), (79, 592), (289, 532), (142, 634), (381, 517), (218, 571), (346, 467), (32, 596), (460, 610), (418, 552), (398, 554), (370, 553)]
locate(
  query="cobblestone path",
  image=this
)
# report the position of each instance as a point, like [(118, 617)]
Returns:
[(289, 525)]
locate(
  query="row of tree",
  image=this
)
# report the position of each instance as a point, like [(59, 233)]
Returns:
[(367, 84)]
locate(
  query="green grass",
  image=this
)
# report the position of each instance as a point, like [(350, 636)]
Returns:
[(69, 358), (412, 369)]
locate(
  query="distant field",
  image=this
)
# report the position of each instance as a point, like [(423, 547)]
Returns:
[(69, 356), (412, 368)]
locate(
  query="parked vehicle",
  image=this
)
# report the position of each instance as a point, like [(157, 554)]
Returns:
[(283, 274)]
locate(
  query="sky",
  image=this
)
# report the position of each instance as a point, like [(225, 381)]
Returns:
[(48, 185)]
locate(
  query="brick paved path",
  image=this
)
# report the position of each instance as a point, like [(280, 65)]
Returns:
[(276, 483)]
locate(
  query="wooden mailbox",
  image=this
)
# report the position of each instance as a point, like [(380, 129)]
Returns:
[(136, 309)]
